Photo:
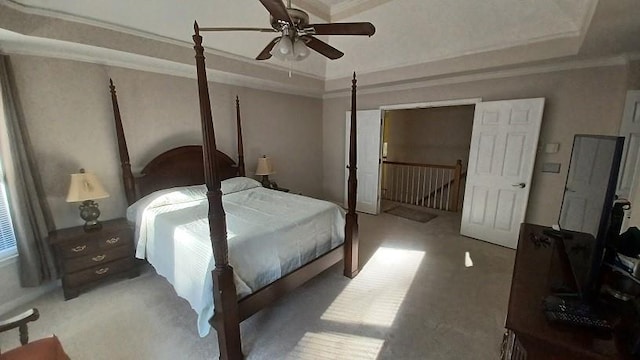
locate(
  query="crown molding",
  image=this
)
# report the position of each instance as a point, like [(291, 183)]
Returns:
[(619, 60), (350, 8), (315, 7), (38, 11), (18, 44)]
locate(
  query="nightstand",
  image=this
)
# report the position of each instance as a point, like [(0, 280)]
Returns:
[(90, 258)]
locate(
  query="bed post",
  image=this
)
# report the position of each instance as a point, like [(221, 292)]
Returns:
[(127, 176), (351, 226), (225, 319), (240, 146)]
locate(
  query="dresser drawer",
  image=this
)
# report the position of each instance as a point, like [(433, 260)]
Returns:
[(98, 272), (97, 258)]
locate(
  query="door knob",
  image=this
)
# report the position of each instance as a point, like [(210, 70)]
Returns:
[(520, 185)]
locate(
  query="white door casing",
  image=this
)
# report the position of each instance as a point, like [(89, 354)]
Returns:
[(630, 165), (369, 130), (504, 141)]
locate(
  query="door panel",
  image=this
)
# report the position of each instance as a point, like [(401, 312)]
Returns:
[(630, 166), (503, 148), (369, 131)]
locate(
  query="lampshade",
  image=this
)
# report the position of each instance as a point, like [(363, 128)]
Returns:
[(265, 166), (85, 186)]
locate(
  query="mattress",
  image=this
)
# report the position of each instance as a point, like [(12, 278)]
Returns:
[(270, 234)]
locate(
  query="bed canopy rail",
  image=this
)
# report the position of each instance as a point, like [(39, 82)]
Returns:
[(228, 311), (181, 166)]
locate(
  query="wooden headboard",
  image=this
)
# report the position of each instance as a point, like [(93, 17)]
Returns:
[(181, 166)]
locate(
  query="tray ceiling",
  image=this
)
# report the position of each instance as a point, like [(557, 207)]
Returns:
[(409, 32)]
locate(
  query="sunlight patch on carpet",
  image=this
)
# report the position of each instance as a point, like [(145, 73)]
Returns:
[(376, 294), (467, 259), (329, 346)]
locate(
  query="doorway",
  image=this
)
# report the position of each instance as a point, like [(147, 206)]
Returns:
[(425, 152)]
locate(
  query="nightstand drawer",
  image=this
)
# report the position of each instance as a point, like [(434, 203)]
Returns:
[(98, 272), (114, 240), (96, 258), (104, 241), (78, 248)]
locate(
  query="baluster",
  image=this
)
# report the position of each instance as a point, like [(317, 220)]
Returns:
[(449, 189), (441, 190), (417, 198), (413, 182), (424, 183), (402, 183), (429, 192), (435, 194)]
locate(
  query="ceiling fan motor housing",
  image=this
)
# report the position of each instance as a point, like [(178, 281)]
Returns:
[(300, 19)]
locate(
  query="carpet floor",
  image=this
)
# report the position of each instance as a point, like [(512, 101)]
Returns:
[(413, 299)]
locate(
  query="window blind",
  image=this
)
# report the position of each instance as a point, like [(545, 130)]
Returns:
[(7, 236)]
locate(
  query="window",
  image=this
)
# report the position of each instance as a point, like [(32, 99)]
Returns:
[(7, 237)]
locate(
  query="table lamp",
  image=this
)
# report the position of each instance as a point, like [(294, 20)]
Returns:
[(265, 168), (85, 187)]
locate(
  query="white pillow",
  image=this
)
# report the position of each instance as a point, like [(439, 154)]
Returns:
[(236, 184)]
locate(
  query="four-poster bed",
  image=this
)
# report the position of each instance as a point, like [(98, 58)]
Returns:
[(192, 165)]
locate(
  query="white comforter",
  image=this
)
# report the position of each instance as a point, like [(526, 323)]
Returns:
[(270, 233)]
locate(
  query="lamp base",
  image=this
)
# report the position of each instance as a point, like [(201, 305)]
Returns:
[(265, 181), (89, 212)]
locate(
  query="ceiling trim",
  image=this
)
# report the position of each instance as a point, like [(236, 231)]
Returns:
[(315, 7), (34, 10), (350, 8), (568, 35), (28, 45), (619, 60)]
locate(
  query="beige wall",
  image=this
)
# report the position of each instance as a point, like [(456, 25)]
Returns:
[(69, 116), (440, 135), (586, 101)]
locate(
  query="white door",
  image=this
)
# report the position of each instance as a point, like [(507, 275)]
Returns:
[(503, 150), (630, 166), (369, 128), (591, 160)]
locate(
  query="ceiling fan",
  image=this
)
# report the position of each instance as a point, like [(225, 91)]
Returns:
[(297, 34)]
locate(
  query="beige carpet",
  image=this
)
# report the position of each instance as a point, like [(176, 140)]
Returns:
[(414, 299), (412, 213)]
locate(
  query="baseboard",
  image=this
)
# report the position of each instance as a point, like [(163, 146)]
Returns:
[(31, 295)]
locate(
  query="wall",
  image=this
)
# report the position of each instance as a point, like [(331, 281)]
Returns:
[(70, 119), (586, 101), (439, 135)]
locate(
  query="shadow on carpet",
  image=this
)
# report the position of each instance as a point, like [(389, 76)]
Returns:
[(412, 214)]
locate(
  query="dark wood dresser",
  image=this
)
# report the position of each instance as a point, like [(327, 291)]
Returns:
[(538, 267), (89, 258)]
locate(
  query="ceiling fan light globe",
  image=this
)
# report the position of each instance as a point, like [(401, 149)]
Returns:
[(285, 47), (300, 50)]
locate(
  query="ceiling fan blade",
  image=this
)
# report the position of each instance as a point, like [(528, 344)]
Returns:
[(322, 47), (277, 9), (266, 52), (237, 29), (359, 28)]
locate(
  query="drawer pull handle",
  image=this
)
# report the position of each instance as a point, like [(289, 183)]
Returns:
[(113, 240), (102, 271), (79, 248), (98, 258)]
